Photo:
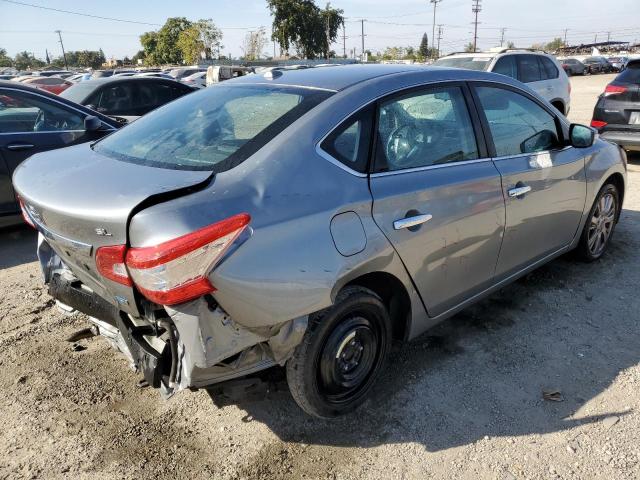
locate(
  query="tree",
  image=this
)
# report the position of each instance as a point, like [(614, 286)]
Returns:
[(423, 49), (5, 60), (149, 42), (469, 47), (138, 56), (167, 49), (511, 45), (254, 43), (25, 60), (201, 39), (554, 45), (81, 58), (304, 26)]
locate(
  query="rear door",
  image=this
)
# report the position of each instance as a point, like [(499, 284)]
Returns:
[(31, 123), (436, 195), (544, 180), (530, 71)]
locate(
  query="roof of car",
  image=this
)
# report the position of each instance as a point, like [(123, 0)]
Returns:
[(342, 77), (103, 80)]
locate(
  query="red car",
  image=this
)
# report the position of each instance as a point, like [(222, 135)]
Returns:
[(50, 84)]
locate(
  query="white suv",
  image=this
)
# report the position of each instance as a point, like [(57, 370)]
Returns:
[(539, 70)]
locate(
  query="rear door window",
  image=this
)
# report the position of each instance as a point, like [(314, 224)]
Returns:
[(506, 66), (349, 143), (548, 69), (529, 68)]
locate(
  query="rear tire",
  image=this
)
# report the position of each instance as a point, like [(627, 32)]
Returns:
[(601, 223), (342, 352)]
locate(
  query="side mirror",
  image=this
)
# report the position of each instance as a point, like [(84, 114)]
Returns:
[(92, 123), (581, 136)]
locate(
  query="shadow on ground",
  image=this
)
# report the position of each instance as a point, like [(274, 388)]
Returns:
[(568, 326), (17, 246)]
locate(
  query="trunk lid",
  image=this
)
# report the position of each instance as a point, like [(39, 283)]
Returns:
[(81, 200)]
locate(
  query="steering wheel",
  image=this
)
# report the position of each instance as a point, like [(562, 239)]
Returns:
[(404, 145), (44, 123)]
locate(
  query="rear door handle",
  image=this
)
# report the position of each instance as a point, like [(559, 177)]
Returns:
[(520, 191), (409, 222), (19, 146)]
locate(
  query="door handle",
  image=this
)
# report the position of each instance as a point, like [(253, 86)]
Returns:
[(520, 191), (19, 146), (409, 222)]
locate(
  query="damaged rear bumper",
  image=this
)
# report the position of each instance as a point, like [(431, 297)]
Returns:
[(192, 345)]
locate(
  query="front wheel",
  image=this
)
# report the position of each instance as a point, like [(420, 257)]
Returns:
[(342, 352), (602, 220)]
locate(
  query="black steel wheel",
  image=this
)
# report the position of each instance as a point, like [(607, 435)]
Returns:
[(343, 350)]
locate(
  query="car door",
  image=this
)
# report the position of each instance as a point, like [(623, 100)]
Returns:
[(32, 123), (116, 98), (543, 179), (436, 195)]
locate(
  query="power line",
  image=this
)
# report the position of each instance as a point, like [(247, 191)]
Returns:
[(79, 13)]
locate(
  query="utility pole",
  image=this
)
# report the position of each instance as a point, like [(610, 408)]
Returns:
[(608, 36), (476, 9), (327, 32), (64, 55), (595, 40), (439, 38), (433, 31), (362, 26), (502, 30), (344, 40), (565, 36)]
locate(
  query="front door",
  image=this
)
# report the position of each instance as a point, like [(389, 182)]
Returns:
[(436, 196), (543, 179)]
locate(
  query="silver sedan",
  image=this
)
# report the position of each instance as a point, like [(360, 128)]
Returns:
[(305, 219)]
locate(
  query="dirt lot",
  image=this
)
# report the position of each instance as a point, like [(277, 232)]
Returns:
[(464, 401)]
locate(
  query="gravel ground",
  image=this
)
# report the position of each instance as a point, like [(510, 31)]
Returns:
[(464, 401)]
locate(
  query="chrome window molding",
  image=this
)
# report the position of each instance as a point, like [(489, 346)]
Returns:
[(430, 167), (543, 152), (46, 131), (338, 163)]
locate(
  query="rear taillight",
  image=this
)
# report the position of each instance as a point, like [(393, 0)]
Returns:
[(25, 215), (176, 271), (598, 123), (110, 262), (614, 90)]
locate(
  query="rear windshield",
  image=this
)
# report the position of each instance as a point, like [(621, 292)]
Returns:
[(79, 92), (213, 129), (470, 63), (631, 74)]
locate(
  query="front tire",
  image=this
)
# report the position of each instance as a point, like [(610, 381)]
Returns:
[(600, 224), (342, 352)]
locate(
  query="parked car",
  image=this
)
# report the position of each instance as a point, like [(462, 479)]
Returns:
[(617, 112), (180, 73), (102, 74), (598, 65), (196, 80), (209, 246), (54, 73), (155, 75), (55, 85), (573, 66), (540, 71), (125, 97), (7, 77), (33, 121), (79, 77), (618, 63)]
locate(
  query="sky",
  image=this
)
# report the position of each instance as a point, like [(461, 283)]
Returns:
[(387, 23)]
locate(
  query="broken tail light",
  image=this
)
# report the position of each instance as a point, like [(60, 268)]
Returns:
[(176, 271)]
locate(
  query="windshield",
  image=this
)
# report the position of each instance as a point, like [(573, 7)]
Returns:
[(470, 63), (79, 92), (213, 129)]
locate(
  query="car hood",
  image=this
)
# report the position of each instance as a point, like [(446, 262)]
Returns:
[(81, 200)]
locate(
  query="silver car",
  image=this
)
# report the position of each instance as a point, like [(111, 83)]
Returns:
[(308, 218)]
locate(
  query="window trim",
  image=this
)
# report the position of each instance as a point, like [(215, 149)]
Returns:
[(35, 93), (560, 124)]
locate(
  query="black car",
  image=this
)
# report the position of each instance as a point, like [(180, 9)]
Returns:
[(573, 66), (598, 65), (33, 121), (125, 97), (617, 113)]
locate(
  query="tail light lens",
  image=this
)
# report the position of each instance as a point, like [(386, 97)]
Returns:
[(25, 215), (598, 123), (176, 271), (110, 262), (614, 90)]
